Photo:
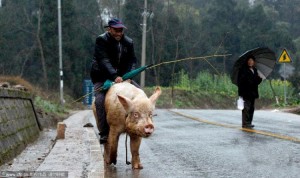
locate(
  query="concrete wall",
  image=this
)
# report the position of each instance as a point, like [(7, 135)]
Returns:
[(18, 122)]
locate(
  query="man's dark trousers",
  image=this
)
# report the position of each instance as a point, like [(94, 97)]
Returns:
[(248, 111)]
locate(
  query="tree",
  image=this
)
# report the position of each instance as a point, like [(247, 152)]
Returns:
[(220, 30), (22, 37), (179, 29)]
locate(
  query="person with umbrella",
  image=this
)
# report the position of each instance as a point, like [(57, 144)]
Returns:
[(248, 81), (248, 71), (113, 57)]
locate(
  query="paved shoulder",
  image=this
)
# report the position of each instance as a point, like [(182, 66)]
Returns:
[(33, 155), (79, 153)]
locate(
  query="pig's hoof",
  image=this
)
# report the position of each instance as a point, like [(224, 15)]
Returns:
[(137, 166), (112, 161)]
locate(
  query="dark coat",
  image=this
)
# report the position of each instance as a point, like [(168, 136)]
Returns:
[(248, 83), (108, 63)]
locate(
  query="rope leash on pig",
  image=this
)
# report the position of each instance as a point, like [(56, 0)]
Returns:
[(193, 58), (169, 62), (127, 162)]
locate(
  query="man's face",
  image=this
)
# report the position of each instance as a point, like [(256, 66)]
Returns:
[(251, 62), (116, 33)]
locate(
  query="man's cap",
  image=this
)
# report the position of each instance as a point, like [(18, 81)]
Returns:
[(115, 23)]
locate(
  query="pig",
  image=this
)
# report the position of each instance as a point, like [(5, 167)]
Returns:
[(130, 111)]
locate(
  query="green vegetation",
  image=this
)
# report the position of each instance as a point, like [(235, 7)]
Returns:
[(217, 91), (49, 103), (49, 106)]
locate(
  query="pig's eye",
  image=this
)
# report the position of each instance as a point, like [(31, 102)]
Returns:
[(136, 115), (150, 115)]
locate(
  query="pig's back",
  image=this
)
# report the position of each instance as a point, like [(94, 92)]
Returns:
[(125, 89)]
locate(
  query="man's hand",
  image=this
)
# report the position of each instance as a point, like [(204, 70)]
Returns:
[(118, 80)]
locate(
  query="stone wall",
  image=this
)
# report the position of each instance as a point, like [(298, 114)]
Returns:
[(18, 122)]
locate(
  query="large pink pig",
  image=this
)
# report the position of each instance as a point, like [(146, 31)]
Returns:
[(130, 111)]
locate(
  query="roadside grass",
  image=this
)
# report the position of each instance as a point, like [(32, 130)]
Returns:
[(208, 91)]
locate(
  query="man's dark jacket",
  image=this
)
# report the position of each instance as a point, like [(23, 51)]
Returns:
[(248, 83), (108, 62)]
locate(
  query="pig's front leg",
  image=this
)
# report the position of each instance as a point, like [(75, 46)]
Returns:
[(135, 142)]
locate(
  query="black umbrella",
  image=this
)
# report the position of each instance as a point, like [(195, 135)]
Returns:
[(265, 61)]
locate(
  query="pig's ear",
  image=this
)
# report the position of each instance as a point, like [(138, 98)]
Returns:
[(155, 95), (125, 102)]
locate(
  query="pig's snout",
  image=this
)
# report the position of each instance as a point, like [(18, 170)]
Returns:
[(149, 129)]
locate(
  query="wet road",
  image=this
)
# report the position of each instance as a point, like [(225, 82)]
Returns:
[(211, 143)]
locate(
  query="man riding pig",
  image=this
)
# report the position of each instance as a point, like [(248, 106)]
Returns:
[(125, 107)]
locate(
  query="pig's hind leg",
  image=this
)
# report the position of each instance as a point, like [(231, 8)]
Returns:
[(112, 147)]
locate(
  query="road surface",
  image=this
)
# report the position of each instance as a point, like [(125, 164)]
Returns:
[(211, 143), (185, 143)]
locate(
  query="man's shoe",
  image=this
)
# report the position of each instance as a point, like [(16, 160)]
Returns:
[(103, 139), (248, 126)]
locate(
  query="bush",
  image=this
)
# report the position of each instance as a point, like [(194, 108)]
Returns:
[(48, 106), (222, 85)]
